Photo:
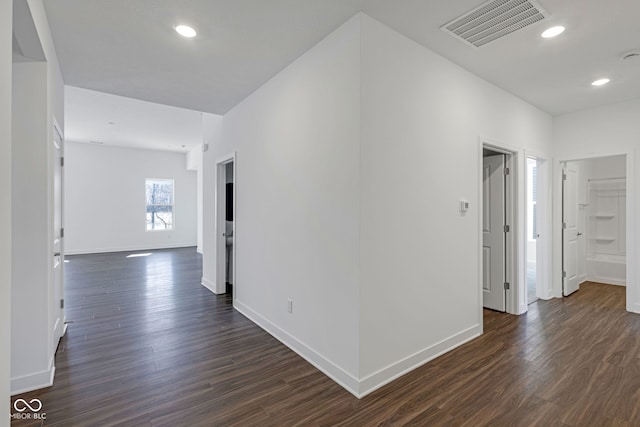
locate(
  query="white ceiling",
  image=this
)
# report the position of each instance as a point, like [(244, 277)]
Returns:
[(100, 118), (129, 47)]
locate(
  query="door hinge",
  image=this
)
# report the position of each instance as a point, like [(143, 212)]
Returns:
[(61, 304), (62, 233), (564, 274), (564, 225), (506, 286), (506, 228), (506, 171), (61, 161), (564, 176)]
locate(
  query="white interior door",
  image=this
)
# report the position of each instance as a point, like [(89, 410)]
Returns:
[(493, 232), (570, 282), (58, 235)]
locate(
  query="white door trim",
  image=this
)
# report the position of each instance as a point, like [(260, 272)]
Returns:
[(543, 244), (220, 201), (515, 204), (494, 235), (59, 326)]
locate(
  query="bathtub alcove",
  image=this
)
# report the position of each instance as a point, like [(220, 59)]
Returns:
[(606, 231)]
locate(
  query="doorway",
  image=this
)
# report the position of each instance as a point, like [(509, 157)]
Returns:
[(532, 230), (225, 223), (498, 220), (594, 222)]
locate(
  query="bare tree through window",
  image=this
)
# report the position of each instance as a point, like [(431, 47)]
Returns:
[(159, 200)]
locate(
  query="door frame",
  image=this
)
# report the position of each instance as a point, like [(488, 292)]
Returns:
[(544, 289), (514, 204), (60, 325), (220, 204), (632, 272)]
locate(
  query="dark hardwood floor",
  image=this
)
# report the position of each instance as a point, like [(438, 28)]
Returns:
[(149, 346)]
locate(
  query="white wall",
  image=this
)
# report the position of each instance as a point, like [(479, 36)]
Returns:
[(31, 262), (5, 206), (105, 199), (383, 272), (211, 135), (420, 281), (194, 163), (597, 132), (34, 309), (297, 144)]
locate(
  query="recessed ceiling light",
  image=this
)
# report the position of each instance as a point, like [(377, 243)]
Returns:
[(553, 31), (600, 82), (186, 31)]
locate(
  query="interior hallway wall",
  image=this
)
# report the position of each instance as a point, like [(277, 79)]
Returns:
[(35, 324), (420, 259), (597, 132), (30, 253), (194, 163), (297, 145), (212, 138), (317, 214)]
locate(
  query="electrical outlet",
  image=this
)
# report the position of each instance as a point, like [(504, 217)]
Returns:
[(290, 306)]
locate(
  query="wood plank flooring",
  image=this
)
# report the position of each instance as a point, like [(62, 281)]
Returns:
[(149, 346)]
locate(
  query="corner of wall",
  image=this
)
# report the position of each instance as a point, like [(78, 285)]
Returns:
[(397, 369), (33, 381), (211, 285), (333, 371)]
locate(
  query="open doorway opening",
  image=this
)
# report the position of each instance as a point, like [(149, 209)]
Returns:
[(228, 214), (594, 222), (532, 230), (225, 223)]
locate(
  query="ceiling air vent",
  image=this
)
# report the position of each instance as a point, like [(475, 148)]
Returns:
[(493, 20)]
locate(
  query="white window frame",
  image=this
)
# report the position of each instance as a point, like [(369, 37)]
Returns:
[(173, 205)]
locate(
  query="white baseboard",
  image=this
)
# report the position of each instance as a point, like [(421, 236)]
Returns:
[(212, 286), (633, 308), (34, 381), (168, 245), (333, 371), (359, 388), (397, 369), (607, 280)]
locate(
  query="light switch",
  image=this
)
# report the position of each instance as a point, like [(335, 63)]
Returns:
[(464, 206)]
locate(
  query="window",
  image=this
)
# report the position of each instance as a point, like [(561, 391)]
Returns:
[(159, 198)]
